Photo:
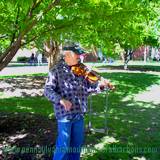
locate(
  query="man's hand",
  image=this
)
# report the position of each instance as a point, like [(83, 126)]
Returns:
[(105, 83), (67, 104)]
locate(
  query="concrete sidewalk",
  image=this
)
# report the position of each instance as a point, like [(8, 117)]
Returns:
[(23, 70), (8, 71)]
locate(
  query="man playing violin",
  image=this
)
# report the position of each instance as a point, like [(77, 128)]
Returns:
[(68, 92)]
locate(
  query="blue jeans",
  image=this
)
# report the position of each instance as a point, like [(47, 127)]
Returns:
[(70, 139)]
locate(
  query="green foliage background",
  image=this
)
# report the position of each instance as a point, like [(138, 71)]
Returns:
[(101, 23)]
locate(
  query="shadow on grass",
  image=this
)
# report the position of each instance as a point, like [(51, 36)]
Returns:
[(26, 136), (26, 130), (133, 125), (23, 86), (133, 132)]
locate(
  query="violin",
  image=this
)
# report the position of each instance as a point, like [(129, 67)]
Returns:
[(82, 70), (92, 76)]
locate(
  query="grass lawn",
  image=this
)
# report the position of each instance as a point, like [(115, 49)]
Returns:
[(133, 124), (133, 121), (35, 105), (25, 75), (132, 65)]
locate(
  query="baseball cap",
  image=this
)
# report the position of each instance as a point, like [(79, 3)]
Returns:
[(76, 49)]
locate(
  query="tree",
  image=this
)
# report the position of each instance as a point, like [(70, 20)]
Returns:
[(148, 31), (99, 23), (17, 20)]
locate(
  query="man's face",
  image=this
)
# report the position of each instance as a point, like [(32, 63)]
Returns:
[(71, 58)]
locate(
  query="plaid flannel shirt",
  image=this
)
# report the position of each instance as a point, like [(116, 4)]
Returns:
[(62, 83)]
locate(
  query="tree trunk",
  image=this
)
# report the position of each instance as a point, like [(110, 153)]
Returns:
[(153, 53), (122, 55), (7, 56), (94, 51), (126, 59), (52, 52), (10, 53), (145, 54)]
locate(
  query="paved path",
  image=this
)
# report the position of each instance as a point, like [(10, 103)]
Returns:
[(23, 70), (44, 69)]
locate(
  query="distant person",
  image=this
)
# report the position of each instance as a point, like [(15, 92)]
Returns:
[(110, 60), (157, 56), (32, 59), (39, 59), (104, 60)]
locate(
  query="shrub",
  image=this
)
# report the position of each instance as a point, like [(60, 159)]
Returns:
[(22, 59)]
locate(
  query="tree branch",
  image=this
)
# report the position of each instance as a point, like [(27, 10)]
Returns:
[(11, 47), (32, 39), (51, 5), (16, 24), (36, 36), (33, 23), (35, 4), (48, 30), (3, 36), (28, 28)]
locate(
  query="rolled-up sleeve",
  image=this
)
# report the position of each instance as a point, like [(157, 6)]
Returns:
[(50, 89)]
